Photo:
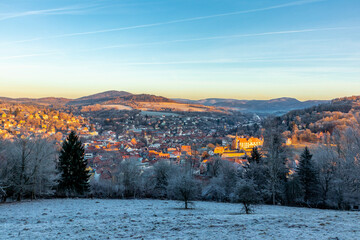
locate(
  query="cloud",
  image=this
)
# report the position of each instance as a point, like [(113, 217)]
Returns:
[(52, 11)]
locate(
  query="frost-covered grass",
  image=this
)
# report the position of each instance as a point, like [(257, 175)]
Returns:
[(156, 219)]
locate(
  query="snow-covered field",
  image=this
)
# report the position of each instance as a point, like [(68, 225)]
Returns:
[(156, 219)]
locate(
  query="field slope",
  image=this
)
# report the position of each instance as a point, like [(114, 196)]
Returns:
[(156, 219)]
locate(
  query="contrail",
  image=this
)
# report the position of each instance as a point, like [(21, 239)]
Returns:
[(249, 60), (296, 3), (53, 11), (194, 39), (28, 55), (223, 37), (189, 19), (322, 58)]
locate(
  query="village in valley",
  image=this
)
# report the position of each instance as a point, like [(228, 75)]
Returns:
[(142, 137), (104, 153)]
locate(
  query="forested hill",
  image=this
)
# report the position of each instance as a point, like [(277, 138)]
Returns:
[(310, 124), (140, 98)]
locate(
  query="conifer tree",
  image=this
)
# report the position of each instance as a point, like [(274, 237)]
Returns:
[(72, 165), (256, 156), (307, 176)]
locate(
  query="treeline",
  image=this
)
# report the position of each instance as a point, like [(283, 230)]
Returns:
[(325, 177), (305, 117), (36, 168)]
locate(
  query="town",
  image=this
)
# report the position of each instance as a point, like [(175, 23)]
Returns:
[(140, 136)]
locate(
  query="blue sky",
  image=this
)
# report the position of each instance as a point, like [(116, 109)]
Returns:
[(258, 49)]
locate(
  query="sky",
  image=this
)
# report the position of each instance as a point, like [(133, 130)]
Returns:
[(242, 49)]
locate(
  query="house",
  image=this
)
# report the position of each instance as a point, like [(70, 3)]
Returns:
[(254, 142), (219, 150), (186, 149), (88, 156)]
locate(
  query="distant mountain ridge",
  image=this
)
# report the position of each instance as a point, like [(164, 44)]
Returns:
[(113, 97), (280, 105), (140, 98), (40, 101), (99, 98)]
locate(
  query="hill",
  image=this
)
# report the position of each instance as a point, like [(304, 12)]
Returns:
[(120, 100), (39, 101), (98, 98), (126, 100), (310, 124), (140, 98), (272, 106)]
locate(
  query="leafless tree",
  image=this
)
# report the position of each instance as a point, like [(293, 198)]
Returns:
[(161, 174), (30, 168), (325, 159), (222, 187), (348, 168), (214, 166), (339, 168), (128, 178), (245, 193), (184, 187), (275, 161), (215, 190)]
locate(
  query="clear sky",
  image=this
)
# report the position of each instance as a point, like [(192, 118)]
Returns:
[(244, 49)]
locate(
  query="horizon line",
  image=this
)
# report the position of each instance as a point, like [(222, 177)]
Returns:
[(175, 98)]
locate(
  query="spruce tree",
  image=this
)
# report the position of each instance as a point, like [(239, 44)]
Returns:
[(256, 156), (72, 166), (308, 176)]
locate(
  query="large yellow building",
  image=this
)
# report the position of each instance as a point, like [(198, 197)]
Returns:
[(244, 143)]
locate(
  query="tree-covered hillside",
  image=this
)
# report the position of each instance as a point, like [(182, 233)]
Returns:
[(312, 124)]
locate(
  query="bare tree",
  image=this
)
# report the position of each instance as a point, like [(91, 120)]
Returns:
[(214, 166), (339, 168), (215, 190), (222, 187), (43, 163), (30, 168), (245, 193), (162, 173), (3, 173), (348, 168), (2, 194), (103, 189), (275, 161), (128, 178), (183, 187), (325, 160)]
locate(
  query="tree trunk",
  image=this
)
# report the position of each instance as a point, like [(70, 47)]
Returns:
[(18, 197), (246, 207), (273, 193)]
